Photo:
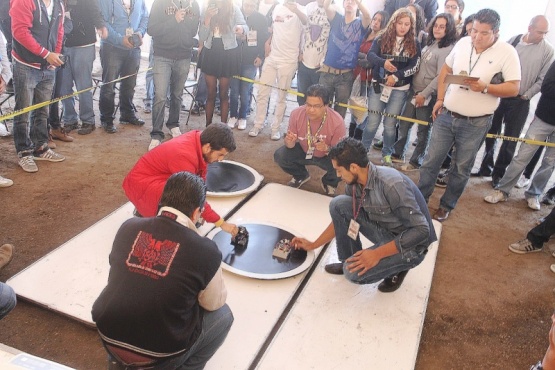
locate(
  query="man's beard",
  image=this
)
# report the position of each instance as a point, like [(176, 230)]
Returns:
[(354, 181)]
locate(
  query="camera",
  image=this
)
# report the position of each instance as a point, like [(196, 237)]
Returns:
[(63, 58), (241, 239), (134, 40)]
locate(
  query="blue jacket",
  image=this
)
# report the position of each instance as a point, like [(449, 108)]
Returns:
[(229, 39), (116, 20)]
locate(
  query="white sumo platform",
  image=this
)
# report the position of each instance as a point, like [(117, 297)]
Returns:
[(335, 324), (12, 359), (72, 291)]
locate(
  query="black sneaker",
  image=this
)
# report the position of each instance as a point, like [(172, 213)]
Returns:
[(549, 197), (135, 121), (68, 127), (86, 128), (109, 127), (294, 183), (441, 181), (378, 145)]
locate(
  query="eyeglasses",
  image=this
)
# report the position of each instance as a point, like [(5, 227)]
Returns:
[(315, 106), (453, 7)]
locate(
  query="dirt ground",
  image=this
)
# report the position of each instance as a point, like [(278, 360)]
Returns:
[(488, 308)]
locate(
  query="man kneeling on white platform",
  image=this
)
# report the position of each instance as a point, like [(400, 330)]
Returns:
[(164, 305), (387, 208)]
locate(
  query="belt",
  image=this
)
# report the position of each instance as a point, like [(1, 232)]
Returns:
[(460, 116), (333, 71)]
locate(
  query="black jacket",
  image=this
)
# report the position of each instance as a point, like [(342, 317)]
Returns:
[(85, 15), (256, 22), (546, 107)]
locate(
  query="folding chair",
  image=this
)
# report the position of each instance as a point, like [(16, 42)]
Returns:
[(190, 89)]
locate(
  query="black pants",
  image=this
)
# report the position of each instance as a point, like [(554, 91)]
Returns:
[(541, 233)]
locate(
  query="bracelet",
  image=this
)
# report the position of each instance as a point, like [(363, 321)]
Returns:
[(219, 222)]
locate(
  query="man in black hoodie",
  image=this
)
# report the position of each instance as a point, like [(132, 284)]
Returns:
[(172, 25)]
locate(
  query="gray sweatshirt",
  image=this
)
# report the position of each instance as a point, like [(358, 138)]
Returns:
[(431, 62)]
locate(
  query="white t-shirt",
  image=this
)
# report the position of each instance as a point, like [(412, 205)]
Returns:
[(316, 33), (500, 57), (286, 35)]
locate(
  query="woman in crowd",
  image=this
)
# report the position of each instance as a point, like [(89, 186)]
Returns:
[(456, 8), (442, 36), (220, 56), (364, 68), (467, 27), (420, 22), (394, 56)]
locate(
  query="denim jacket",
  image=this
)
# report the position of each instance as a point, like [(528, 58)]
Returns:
[(393, 200), (205, 34), (117, 21)]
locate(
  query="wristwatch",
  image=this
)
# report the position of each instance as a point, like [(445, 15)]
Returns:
[(485, 91)]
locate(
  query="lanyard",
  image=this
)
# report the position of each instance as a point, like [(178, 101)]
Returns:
[(355, 214), (309, 135), (470, 66)]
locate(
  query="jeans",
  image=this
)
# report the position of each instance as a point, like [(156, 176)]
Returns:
[(341, 211), (394, 106), (31, 86), (340, 87), (423, 133), (542, 233), (149, 83), (512, 111), (215, 326), (7, 300), (241, 91), (306, 77), (273, 71), (540, 131), (294, 162), (54, 108), (78, 70), (531, 167), (467, 135), (117, 63), (172, 73)]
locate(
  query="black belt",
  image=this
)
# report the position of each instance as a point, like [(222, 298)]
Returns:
[(460, 116)]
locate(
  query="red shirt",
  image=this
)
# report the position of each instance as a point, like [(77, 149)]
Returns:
[(366, 74)]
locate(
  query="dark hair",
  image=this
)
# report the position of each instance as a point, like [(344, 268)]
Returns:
[(223, 17), (319, 91), (489, 16), (184, 192), (460, 4), (450, 31), (383, 23), (420, 18), (349, 151), (219, 136), (467, 20)]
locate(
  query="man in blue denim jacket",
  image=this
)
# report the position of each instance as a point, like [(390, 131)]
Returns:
[(387, 208)]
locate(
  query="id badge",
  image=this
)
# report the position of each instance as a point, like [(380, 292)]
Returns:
[(353, 229), (309, 153), (128, 31), (386, 93), (251, 38)]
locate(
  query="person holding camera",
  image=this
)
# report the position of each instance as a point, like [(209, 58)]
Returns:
[(120, 55)]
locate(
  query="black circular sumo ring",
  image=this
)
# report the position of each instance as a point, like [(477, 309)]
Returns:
[(257, 256), (225, 177)]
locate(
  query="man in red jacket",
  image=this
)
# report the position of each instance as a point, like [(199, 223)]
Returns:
[(190, 152)]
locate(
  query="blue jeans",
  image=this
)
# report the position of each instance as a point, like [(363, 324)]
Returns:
[(306, 77), (294, 162), (31, 86), (394, 106), (117, 63), (423, 134), (149, 83), (7, 300), (215, 326), (341, 211), (339, 87), (78, 70), (173, 74), (241, 90), (540, 131), (467, 135)]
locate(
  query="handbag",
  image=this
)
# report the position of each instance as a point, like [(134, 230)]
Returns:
[(358, 103)]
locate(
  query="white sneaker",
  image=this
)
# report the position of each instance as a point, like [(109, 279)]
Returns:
[(275, 135), (4, 182), (153, 144), (533, 203), (242, 124), (522, 182), (232, 121), (254, 132), (496, 197), (175, 132)]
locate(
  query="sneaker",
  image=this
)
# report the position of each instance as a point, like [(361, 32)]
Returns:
[(109, 128), (328, 189), (549, 197), (242, 124), (4, 182), (552, 268), (254, 132), (276, 135), (533, 203), (86, 128), (397, 159), (378, 145), (175, 132), (28, 164), (135, 121), (147, 108), (60, 134), (386, 161), (232, 121), (496, 196), (68, 127), (523, 246), (522, 182), (6, 254), (409, 167), (294, 183), (153, 144), (50, 156), (441, 181)]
